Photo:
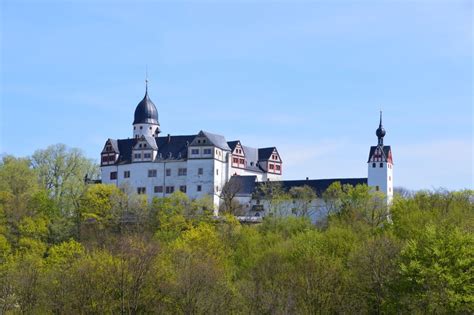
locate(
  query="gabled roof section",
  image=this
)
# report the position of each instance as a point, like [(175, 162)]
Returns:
[(149, 140), (233, 144), (114, 145), (215, 139), (386, 153), (264, 154)]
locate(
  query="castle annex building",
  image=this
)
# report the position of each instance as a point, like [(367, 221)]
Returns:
[(201, 164)]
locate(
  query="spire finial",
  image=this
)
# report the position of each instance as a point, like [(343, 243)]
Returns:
[(146, 79), (380, 124)]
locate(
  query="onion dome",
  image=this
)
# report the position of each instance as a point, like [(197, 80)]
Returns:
[(146, 112), (380, 132)]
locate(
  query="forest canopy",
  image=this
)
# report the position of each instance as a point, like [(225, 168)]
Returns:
[(67, 247)]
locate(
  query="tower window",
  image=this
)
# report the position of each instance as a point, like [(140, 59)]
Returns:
[(381, 164), (199, 188), (195, 151), (141, 127), (200, 171), (207, 151), (373, 164)]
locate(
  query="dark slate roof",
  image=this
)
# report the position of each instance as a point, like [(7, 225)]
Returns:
[(245, 184), (217, 140), (125, 149), (232, 144), (251, 155), (386, 149), (318, 185), (146, 112), (174, 147), (265, 153)]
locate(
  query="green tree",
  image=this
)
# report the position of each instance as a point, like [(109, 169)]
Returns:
[(436, 270), (62, 171)]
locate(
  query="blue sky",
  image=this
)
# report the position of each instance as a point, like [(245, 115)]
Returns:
[(306, 76)]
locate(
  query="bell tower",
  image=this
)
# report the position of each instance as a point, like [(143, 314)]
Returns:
[(145, 121), (380, 165)]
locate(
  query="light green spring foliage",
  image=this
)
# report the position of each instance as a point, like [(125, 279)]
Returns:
[(175, 258)]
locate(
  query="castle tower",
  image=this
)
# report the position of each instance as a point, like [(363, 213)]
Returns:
[(146, 122), (380, 165)]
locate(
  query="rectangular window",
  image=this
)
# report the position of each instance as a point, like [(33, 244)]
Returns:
[(194, 151), (207, 151), (126, 174), (199, 188), (377, 188), (147, 155), (235, 160), (169, 189), (182, 171), (182, 189), (272, 166), (137, 155), (158, 189), (105, 159), (113, 175), (168, 172), (200, 171), (141, 190), (151, 173), (217, 172), (278, 167), (242, 161), (111, 158)]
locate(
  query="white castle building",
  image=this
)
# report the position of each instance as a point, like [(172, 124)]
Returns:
[(202, 164)]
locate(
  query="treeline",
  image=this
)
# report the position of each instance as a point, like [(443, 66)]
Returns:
[(71, 248)]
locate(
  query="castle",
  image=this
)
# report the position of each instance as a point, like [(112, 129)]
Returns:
[(202, 164)]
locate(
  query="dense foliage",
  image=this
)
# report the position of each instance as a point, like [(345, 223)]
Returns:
[(71, 248)]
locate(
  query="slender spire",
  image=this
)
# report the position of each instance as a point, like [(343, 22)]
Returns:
[(380, 132), (146, 79)]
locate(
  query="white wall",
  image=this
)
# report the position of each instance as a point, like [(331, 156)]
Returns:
[(144, 129), (381, 177)]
